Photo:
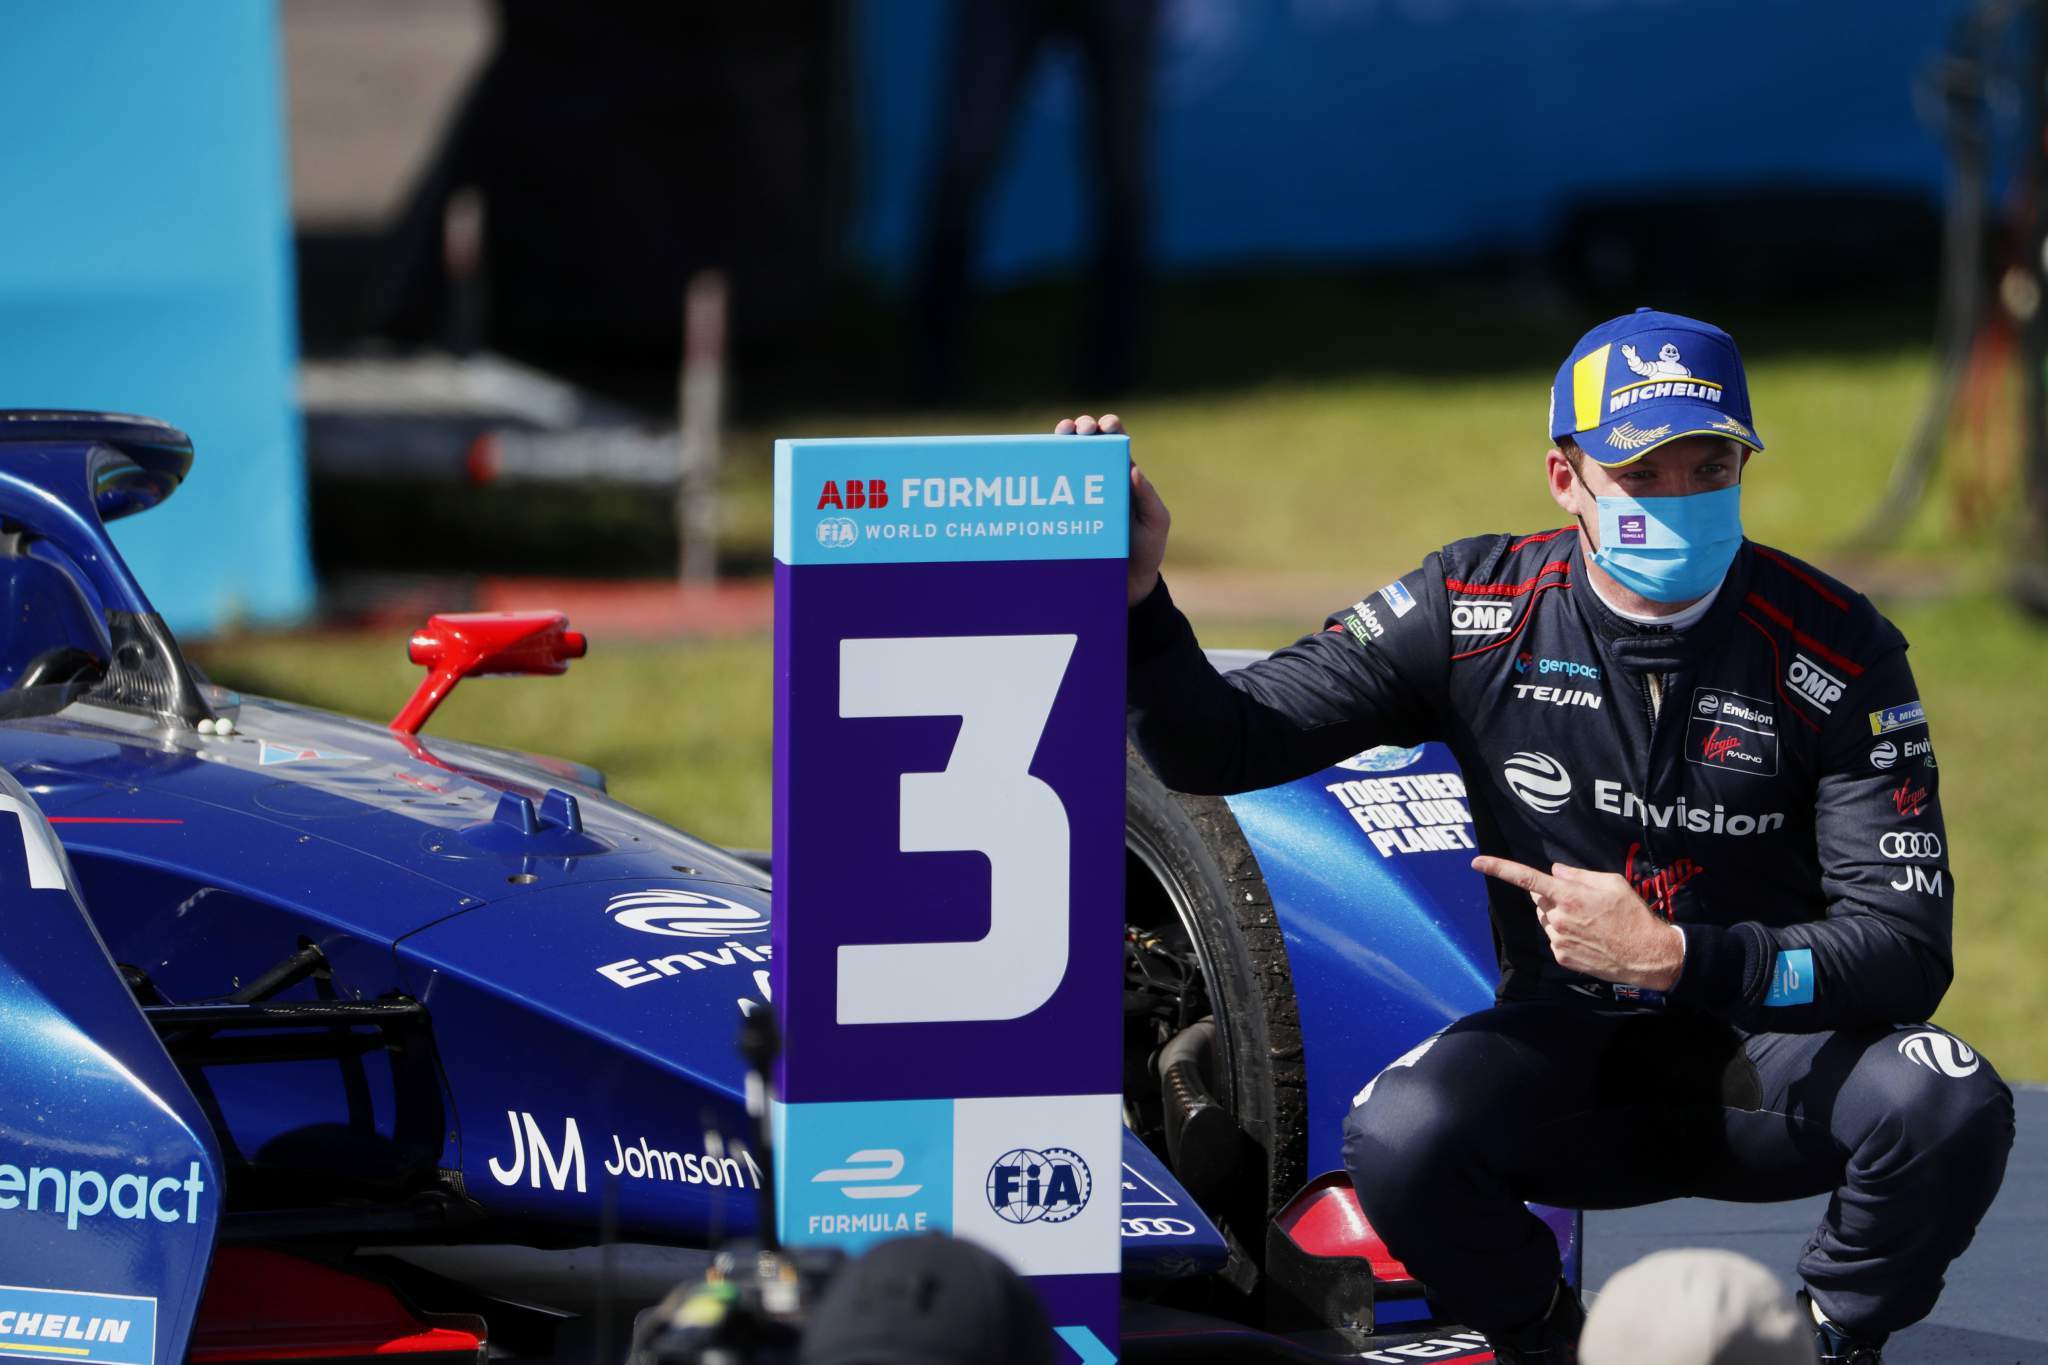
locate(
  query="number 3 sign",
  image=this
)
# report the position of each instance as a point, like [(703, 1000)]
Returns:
[(949, 675)]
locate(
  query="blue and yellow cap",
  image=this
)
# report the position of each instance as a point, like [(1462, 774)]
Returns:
[(1645, 379)]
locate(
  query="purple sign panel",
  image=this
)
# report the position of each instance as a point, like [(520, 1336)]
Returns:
[(949, 664)]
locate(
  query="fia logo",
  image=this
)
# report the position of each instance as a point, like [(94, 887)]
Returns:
[(872, 493), (1813, 682), (838, 533), (1029, 1186)]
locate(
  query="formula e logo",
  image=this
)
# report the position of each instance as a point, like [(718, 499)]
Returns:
[(1480, 618), (1813, 682), (859, 493), (1539, 780), (1027, 1186), (1939, 1052), (866, 1173), (684, 914), (838, 533), (1904, 843)]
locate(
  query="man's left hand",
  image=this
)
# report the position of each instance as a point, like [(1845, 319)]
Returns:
[(1597, 924)]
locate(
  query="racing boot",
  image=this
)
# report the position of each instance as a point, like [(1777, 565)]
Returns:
[(1552, 1339), (1833, 1345)]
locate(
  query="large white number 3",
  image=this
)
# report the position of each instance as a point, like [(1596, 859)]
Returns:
[(986, 801)]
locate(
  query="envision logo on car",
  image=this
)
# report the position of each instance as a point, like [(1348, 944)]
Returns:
[(684, 914)]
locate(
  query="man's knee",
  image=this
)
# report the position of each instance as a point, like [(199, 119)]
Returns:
[(1924, 1089), (1404, 1136)]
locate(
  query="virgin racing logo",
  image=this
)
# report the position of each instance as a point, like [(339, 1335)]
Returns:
[(1657, 888)]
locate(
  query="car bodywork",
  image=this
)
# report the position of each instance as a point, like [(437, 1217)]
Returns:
[(364, 993)]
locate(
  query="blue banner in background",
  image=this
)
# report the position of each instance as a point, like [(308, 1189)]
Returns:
[(145, 266), (1361, 129)]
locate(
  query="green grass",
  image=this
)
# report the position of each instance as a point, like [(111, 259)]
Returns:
[(1376, 447)]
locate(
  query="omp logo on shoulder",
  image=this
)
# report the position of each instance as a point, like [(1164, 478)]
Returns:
[(1814, 683), (76, 1326), (684, 914), (73, 1194)]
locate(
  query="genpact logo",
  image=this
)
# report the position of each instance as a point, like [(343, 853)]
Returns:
[(1539, 780), (684, 914)]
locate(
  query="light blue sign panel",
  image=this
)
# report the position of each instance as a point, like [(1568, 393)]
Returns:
[(145, 266), (939, 500)]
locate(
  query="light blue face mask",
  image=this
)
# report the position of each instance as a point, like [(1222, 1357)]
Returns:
[(1670, 549)]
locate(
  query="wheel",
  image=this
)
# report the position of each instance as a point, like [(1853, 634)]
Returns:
[(1202, 942)]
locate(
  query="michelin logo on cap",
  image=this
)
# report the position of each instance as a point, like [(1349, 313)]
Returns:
[(1645, 379)]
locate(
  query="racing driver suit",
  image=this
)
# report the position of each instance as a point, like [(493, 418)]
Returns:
[(1765, 780)]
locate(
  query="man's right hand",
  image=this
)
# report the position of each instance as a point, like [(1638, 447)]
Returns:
[(1150, 520)]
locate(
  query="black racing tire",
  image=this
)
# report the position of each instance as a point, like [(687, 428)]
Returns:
[(1188, 858)]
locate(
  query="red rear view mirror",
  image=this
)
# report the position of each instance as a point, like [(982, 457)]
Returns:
[(457, 645)]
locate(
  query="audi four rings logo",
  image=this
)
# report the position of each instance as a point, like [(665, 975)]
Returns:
[(1158, 1227), (1900, 843), (1939, 1052), (1539, 780), (684, 914)]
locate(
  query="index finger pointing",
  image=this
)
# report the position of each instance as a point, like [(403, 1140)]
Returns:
[(1517, 874)]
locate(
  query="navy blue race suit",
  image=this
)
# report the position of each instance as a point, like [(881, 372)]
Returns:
[(1765, 779)]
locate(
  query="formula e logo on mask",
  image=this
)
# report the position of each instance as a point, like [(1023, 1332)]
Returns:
[(684, 914), (1939, 1052), (1480, 618), (1026, 1186), (1813, 682), (1539, 780)]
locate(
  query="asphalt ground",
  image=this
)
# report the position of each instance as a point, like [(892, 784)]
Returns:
[(1995, 1309)]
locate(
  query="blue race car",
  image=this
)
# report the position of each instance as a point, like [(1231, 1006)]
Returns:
[(326, 1040)]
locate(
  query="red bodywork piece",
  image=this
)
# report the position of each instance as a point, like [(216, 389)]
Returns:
[(1325, 1220), (264, 1305), (454, 645)]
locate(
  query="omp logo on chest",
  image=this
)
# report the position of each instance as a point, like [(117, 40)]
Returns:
[(1481, 618), (78, 1327), (72, 1194)]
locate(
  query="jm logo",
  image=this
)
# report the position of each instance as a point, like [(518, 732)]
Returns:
[(532, 1156), (1919, 879), (866, 1173)]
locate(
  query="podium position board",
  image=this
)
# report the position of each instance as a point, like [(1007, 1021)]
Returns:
[(949, 804)]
